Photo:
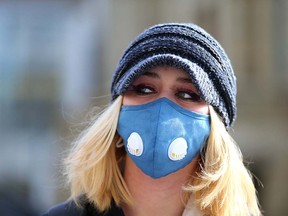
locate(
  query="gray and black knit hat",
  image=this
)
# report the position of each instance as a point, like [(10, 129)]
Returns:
[(187, 47)]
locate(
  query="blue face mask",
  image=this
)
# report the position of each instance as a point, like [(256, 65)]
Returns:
[(161, 137)]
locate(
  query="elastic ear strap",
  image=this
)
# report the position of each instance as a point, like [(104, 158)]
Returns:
[(119, 143)]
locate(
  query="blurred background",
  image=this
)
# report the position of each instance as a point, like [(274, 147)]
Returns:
[(56, 63)]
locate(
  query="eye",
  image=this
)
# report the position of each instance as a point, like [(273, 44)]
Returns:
[(143, 89), (188, 95)]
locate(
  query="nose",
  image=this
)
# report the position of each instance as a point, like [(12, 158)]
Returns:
[(167, 93)]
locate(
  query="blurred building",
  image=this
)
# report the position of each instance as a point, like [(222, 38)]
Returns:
[(56, 61)]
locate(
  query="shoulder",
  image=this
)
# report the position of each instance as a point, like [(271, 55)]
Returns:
[(66, 208), (69, 208)]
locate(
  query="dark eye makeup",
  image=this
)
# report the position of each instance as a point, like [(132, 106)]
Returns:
[(181, 93), (188, 95), (142, 89)]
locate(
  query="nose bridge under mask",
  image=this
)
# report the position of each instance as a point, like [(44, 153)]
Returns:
[(160, 144), (161, 111), (171, 130)]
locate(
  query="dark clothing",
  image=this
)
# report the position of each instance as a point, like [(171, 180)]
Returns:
[(69, 208)]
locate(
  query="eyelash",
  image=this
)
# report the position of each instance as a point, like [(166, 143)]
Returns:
[(139, 90), (193, 96)]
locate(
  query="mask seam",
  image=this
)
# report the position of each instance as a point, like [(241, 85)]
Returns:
[(157, 129)]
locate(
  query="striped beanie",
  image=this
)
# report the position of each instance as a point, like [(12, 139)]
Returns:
[(189, 48)]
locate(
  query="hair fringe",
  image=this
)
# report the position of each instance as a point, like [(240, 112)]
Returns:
[(92, 167), (223, 186)]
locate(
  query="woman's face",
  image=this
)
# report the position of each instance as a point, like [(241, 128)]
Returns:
[(168, 82)]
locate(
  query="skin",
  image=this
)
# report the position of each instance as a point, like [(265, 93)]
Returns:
[(160, 196)]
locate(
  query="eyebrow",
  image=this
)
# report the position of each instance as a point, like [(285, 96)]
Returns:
[(151, 74), (184, 80)]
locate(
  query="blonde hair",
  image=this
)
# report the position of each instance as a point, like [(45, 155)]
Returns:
[(223, 185), (92, 167)]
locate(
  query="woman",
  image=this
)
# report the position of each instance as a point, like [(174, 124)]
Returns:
[(162, 146)]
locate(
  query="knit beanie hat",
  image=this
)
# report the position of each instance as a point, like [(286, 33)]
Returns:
[(186, 47)]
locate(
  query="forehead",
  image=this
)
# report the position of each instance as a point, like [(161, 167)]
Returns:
[(162, 72)]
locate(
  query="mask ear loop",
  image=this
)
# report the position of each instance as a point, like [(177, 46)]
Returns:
[(119, 143)]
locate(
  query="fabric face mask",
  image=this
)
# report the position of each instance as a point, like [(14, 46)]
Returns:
[(161, 137)]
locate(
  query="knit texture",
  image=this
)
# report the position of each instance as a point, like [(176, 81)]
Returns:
[(189, 48)]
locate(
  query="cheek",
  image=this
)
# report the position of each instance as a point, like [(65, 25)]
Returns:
[(128, 100), (199, 108), (204, 109)]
